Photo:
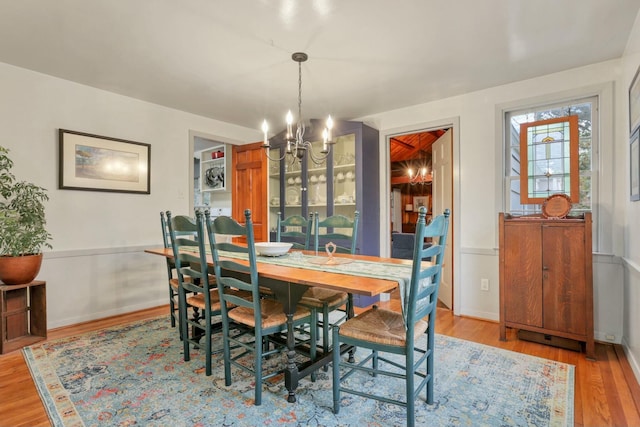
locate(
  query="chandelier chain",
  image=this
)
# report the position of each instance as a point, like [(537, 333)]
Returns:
[(299, 92)]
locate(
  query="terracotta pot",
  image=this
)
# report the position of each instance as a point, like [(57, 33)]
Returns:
[(20, 269)]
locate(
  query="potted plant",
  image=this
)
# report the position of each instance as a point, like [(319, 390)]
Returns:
[(22, 222)]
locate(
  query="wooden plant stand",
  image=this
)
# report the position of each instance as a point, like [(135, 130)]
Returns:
[(23, 315)]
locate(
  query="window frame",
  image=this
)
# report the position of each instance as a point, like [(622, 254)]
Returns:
[(600, 97)]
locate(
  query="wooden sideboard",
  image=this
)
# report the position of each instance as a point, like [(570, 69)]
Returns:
[(23, 315), (546, 277)]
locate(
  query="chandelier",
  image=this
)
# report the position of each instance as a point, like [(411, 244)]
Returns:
[(296, 144), (420, 176)]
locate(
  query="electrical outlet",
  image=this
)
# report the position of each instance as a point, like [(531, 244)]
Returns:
[(484, 284), (610, 337)]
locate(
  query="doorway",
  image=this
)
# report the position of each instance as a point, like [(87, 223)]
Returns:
[(199, 141), (421, 172)]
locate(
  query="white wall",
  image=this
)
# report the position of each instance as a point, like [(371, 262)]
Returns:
[(97, 267), (631, 223), (478, 182)]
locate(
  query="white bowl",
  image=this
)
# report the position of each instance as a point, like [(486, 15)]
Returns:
[(273, 248)]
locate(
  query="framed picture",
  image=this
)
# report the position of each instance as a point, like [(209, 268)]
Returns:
[(100, 163), (634, 169), (634, 103), (419, 201)]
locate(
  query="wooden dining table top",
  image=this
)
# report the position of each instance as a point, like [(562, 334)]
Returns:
[(361, 285)]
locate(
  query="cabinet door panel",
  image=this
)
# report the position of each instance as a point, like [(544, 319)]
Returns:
[(523, 260), (563, 279)]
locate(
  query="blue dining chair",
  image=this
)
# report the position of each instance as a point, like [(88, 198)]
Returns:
[(172, 278), (261, 317), (383, 331), (197, 284), (295, 229), (338, 229), (343, 232)]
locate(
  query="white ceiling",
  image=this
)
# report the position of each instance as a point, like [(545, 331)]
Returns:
[(231, 60)]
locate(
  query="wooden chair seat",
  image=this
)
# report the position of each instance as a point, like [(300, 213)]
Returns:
[(381, 327), (317, 297), (272, 314), (198, 300), (175, 283)]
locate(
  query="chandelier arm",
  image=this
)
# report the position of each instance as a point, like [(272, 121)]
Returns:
[(266, 152)]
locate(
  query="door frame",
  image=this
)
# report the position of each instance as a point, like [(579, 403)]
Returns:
[(385, 196)]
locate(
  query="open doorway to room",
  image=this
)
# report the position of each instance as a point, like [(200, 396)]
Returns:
[(421, 174), (198, 143)]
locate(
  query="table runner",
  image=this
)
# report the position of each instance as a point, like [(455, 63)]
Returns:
[(400, 273)]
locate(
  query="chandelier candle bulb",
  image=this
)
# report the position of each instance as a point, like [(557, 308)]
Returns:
[(325, 136), (329, 127), (289, 123)]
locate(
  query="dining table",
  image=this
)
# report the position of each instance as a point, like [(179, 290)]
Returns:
[(290, 275)]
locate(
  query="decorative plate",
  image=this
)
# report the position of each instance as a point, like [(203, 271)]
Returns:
[(556, 206), (293, 196)]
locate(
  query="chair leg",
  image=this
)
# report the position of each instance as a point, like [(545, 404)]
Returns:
[(257, 365), (325, 328), (182, 312), (227, 351), (350, 314), (336, 370), (410, 390), (430, 369), (172, 306), (374, 362), (207, 342)]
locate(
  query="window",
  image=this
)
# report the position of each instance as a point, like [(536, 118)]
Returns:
[(586, 111), (549, 151)]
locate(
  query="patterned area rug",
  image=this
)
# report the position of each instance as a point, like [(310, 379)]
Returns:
[(134, 375)]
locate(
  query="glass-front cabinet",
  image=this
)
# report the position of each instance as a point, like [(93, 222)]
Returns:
[(346, 181)]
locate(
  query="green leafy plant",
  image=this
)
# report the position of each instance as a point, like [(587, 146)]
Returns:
[(22, 218)]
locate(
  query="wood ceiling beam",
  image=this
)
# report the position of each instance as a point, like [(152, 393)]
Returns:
[(405, 180), (402, 143)]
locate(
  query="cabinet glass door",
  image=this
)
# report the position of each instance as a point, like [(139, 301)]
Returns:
[(344, 175), (317, 183), (293, 186), (275, 200)]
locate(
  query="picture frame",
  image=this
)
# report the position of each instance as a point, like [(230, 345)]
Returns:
[(419, 201), (634, 103), (100, 163), (634, 165)]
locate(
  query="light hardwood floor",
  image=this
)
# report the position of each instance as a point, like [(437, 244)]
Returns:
[(606, 391)]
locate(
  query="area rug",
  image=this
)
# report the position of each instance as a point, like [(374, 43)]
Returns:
[(134, 374)]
